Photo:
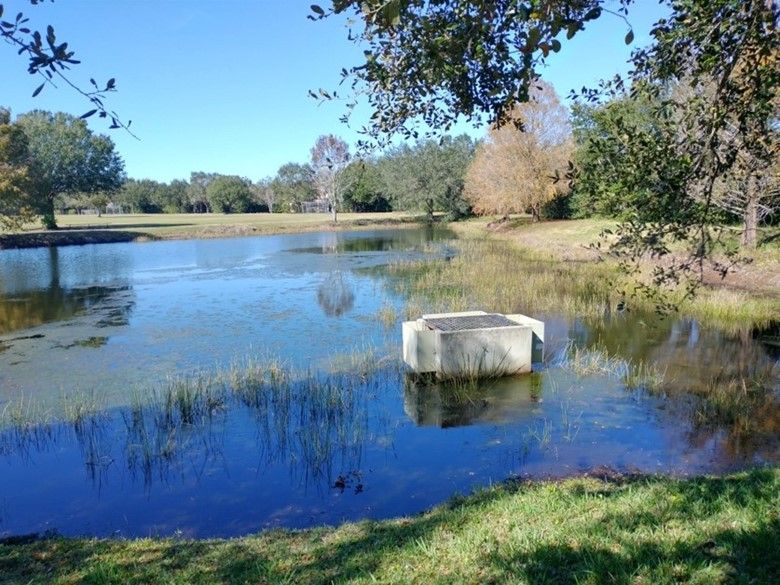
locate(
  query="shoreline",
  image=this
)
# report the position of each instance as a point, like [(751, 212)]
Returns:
[(611, 527)]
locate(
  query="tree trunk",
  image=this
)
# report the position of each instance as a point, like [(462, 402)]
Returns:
[(750, 217), (333, 213), (429, 210), (47, 217), (534, 214)]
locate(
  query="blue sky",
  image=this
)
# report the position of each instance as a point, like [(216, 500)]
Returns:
[(221, 85)]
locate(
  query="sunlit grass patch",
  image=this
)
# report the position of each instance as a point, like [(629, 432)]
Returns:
[(498, 275), (387, 316)]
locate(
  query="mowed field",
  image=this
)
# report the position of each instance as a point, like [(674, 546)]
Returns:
[(182, 223)]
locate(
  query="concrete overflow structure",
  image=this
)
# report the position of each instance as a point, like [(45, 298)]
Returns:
[(473, 343)]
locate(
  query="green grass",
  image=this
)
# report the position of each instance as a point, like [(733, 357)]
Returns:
[(623, 530)]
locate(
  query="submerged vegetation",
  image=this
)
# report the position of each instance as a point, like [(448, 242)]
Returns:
[(587, 530)]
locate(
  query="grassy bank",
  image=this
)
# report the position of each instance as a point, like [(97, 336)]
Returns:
[(90, 229), (571, 240), (531, 269), (585, 530)]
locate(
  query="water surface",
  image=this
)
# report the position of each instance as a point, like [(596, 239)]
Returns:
[(344, 438)]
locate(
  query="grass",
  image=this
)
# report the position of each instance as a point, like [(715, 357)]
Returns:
[(387, 316), (81, 229), (572, 240), (618, 530), (501, 275), (595, 361)]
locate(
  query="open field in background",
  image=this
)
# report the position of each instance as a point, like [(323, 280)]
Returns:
[(586, 530), (88, 229)]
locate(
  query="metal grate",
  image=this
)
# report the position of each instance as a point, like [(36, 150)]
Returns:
[(467, 322)]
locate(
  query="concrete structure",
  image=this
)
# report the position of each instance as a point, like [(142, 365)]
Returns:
[(473, 343)]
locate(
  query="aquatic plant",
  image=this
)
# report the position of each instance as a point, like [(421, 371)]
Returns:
[(387, 316), (598, 361), (508, 278)]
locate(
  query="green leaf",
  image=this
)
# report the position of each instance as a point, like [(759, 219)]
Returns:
[(630, 37), (38, 89), (592, 14), (318, 10)]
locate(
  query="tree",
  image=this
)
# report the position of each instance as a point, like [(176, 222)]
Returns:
[(15, 203), (365, 190), (196, 191), (66, 157), (292, 186), (515, 170), (428, 175), (230, 194), (265, 193), (728, 52), (329, 158), (605, 136), (149, 196), (176, 199), (615, 180), (435, 61)]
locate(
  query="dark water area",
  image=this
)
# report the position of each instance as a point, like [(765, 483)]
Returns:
[(337, 439)]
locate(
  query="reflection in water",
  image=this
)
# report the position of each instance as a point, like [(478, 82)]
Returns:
[(55, 302), (769, 337), (193, 303), (311, 426), (335, 295), (39, 307), (204, 447), (429, 402), (341, 243), (726, 385)]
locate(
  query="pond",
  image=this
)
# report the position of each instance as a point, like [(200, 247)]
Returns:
[(219, 387)]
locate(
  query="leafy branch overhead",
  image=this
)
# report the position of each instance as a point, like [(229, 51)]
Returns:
[(433, 61), (706, 141), (51, 60)]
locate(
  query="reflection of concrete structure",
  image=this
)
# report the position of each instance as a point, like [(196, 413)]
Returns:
[(473, 343), (441, 404)]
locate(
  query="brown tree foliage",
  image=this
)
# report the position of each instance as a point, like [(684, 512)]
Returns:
[(515, 168)]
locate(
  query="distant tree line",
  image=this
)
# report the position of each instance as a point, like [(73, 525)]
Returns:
[(52, 162), (622, 158)]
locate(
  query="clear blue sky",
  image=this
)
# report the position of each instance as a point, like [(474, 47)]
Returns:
[(221, 85)]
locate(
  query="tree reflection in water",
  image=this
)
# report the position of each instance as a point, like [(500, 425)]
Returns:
[(335, 295), (56, 302)]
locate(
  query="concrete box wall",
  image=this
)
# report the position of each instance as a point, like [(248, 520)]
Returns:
[(493, 352), (488, 351)]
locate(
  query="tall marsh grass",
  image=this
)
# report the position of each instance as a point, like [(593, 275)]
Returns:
[(500, 276), (597, 361)]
